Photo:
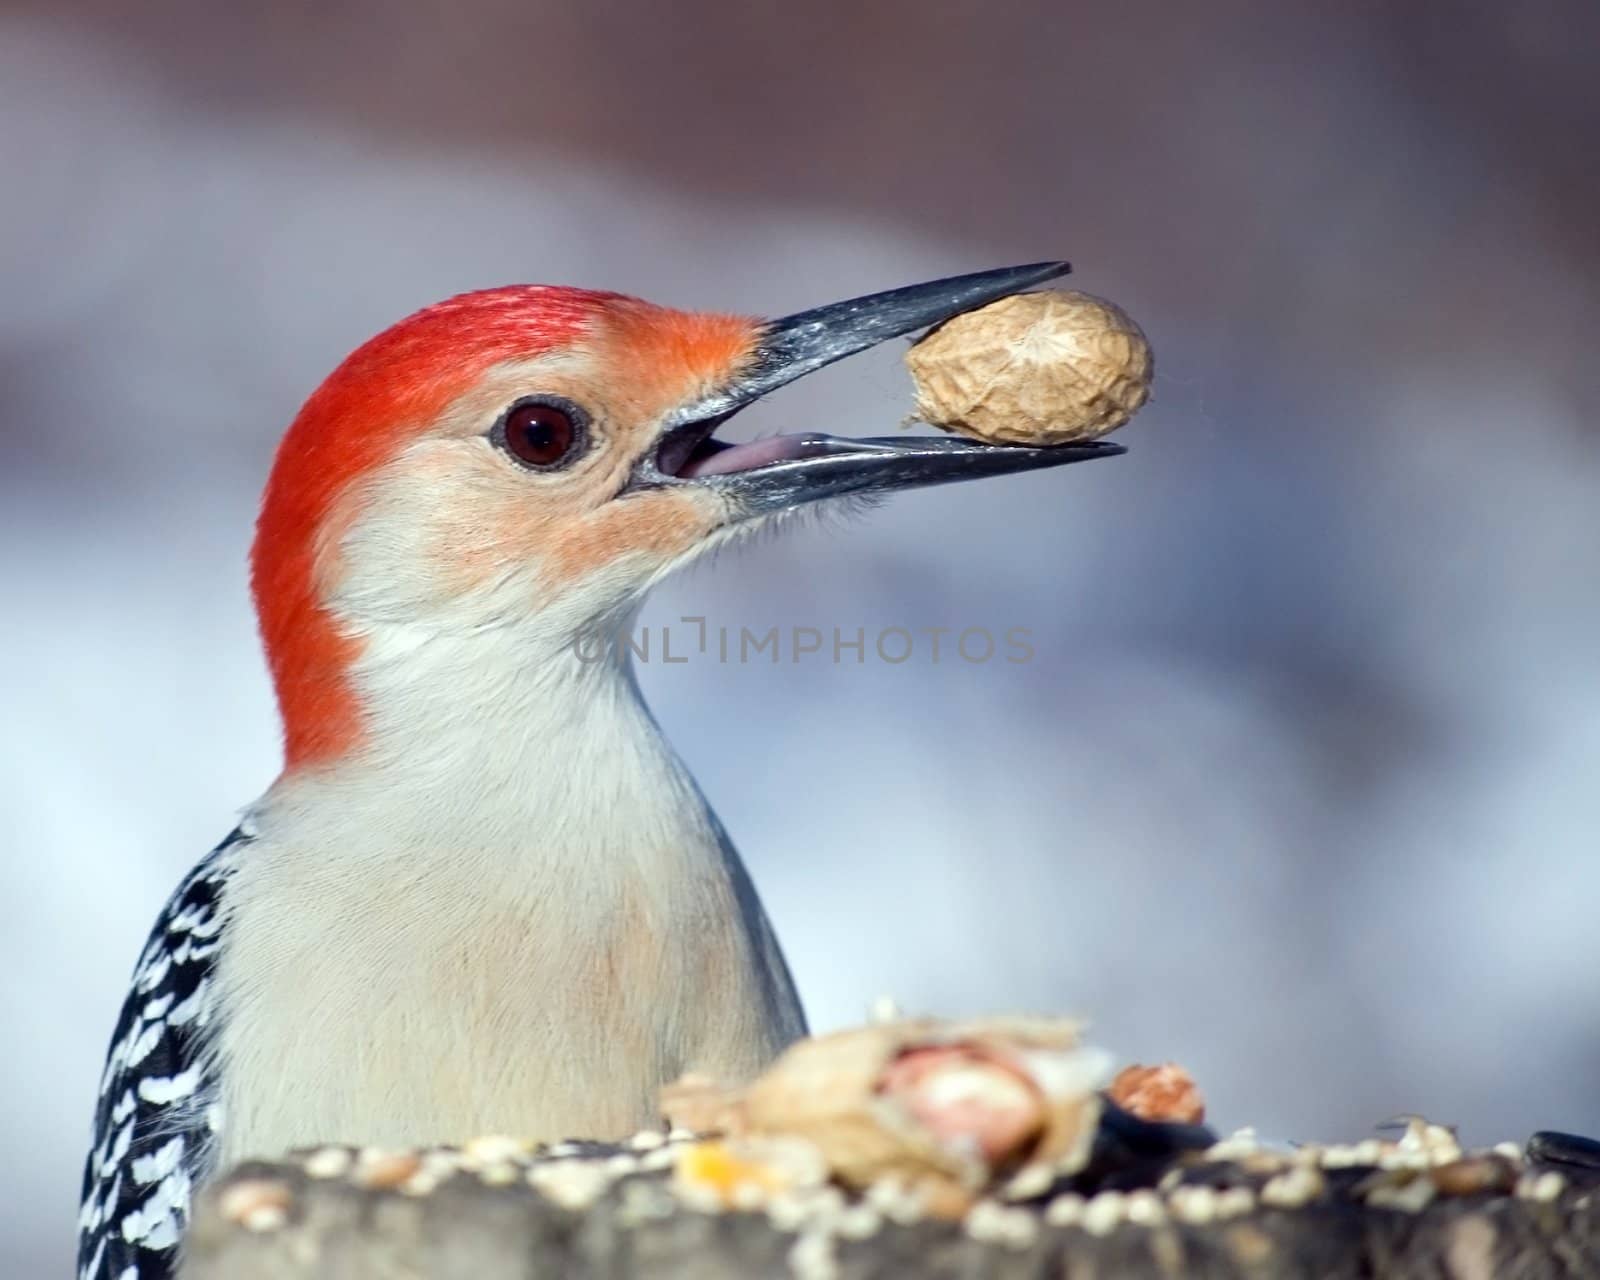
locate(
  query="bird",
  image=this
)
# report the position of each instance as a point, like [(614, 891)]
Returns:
[(484, 895)]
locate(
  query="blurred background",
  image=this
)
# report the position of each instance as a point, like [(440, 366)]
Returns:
[(1300, 787)]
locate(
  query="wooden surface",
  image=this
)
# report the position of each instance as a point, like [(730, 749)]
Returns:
[(434, 1220)]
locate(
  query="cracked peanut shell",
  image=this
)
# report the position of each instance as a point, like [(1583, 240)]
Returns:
[(945, 1106)]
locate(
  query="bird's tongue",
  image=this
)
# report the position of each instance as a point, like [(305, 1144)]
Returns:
[(721, 459)]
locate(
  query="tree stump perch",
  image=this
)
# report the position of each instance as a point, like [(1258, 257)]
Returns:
[(616, 1210)]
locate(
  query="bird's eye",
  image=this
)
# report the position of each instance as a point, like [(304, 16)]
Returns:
[(543, 433)]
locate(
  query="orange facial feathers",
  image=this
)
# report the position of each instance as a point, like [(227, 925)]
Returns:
[(386, 393)]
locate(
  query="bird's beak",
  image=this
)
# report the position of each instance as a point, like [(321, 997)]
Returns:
[(791, 470)]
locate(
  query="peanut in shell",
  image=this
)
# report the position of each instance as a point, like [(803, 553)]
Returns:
[(1047, 368)]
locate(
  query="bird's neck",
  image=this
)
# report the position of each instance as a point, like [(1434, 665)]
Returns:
[(501, 742), (511, 892)]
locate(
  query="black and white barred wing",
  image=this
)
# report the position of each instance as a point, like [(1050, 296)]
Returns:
[(155, 1117)]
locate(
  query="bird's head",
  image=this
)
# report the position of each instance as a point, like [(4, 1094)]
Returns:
[(536, 457)]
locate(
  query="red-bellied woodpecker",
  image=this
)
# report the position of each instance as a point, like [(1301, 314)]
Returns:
[(484, 895)]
